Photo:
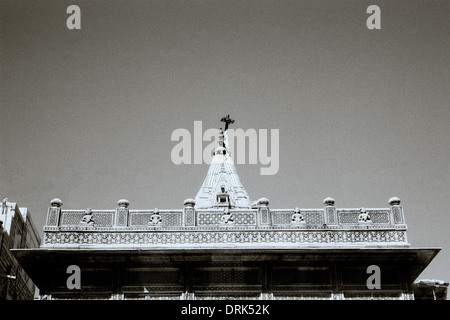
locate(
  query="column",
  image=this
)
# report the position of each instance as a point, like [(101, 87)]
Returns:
[(54, 213), (189, 212), (330, 212), (264, 217), (396, 215), (122, 212)]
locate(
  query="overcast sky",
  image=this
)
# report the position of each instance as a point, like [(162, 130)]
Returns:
[(363, 115)]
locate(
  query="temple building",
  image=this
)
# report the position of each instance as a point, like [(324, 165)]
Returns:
[(17, 231), (222, 245)]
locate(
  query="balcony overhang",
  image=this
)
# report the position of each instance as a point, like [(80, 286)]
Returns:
[(42, 263)]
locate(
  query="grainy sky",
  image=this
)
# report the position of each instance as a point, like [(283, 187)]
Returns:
[(87, 115)]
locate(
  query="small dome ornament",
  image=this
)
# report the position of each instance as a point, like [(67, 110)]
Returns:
[(263, 202), (56, 203), (123, 203), (189, 202), (328, 201), (394, 201)]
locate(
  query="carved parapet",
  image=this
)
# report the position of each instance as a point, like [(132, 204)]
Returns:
[(282, 217)]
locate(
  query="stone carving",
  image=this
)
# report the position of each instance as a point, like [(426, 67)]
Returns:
[(364, 217), (331, 216), (155, 218), (258, 238), (52, 218), (223, 198), (398, 217), (227, 217), (87, 218), (214, 218), (297, 217), (122, 216)]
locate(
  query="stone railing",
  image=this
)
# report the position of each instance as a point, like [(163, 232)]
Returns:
[(260, 216), (223, 227)]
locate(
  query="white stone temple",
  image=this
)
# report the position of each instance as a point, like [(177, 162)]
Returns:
[(222, 245)]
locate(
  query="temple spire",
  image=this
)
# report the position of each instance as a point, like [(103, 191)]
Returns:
[(222, 181)]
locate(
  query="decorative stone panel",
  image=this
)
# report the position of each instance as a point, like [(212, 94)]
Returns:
[(189, 216), (53, 216), (223, 237), (121, 217)]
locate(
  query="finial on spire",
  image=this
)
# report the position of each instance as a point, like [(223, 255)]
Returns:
[(227, 121), (221, 138)]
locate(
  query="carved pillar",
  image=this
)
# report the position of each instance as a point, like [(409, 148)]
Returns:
[(264, 214), (330, 212), (189, 212), (187, 280), (337, 296), (54, 213), (122, 213), (187, 296), (117, 296), (267, 282), (266, 296), (336, 283), (396, 215)]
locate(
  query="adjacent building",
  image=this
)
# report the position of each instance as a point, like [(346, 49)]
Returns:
[(221, 245), (17, 231), (428, 289)]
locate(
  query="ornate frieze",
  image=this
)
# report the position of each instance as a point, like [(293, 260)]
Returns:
[(226, 237)]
